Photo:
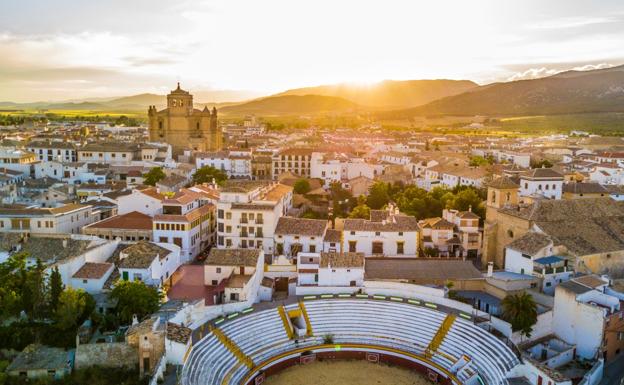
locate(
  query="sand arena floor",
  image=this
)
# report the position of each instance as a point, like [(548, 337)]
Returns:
[(346, 373)]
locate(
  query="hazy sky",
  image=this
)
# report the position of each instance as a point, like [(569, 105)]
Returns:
[(67, 49)]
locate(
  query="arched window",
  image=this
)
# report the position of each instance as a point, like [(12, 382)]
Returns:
[(547, 187), (508, 196), (526, 186), (554, 188), (510, 233), (539, 187), (494, 197)]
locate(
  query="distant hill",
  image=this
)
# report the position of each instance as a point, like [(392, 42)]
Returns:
[(567, 92), (141, 100), (390, 93), (291, 105)]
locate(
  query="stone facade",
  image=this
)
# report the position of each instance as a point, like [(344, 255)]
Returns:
[(183, 126)]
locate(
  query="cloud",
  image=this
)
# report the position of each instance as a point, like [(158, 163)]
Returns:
[(532, 73), (541, 72)]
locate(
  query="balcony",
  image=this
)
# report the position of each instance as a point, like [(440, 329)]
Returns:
[(540, 272)]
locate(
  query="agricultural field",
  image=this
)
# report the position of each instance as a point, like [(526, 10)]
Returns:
[(606, 124)]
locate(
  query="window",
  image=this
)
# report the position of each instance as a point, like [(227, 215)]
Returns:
[(377, 247), (353, 233), (312, 248), (84, 281), (400, 247), (215, 282), (400, 233), (377, 233), (352, 246), (220, 214), (228, 215)]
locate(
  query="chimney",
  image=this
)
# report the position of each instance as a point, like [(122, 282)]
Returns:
[(64, 243), (135, 320), (490, 270)]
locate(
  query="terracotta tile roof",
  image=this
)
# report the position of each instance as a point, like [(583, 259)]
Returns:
[(153, 193), (397, 223), (549, 210), (530, 243), (437, 223), (233, 257), (503, 182), (277, 192), (132, 221), (141, 255), (342, 260), (301, 226), (178, 333), (419, 269), (92, 270), (332, 235), (68, 208), (584, 188), (542, 173)]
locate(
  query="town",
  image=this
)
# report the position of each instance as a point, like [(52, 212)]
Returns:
[(185, 243)]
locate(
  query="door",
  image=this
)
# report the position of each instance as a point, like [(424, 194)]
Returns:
[(539, 380), (125, 275)]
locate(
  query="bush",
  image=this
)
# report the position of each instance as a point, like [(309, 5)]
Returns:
[(328, 339)]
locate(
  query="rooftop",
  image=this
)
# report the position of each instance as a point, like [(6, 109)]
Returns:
[(40, 357), (530, 243), (233, 257), (419, 269), (301, 226), (131, 221), (342, 260), (141, 255), (92, 270)]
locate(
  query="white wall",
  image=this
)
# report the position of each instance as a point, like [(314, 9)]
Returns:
[(577, 323)]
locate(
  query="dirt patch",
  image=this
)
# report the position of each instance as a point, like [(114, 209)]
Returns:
[(346, 373)]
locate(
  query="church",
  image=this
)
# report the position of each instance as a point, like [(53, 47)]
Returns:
[(183, 126)]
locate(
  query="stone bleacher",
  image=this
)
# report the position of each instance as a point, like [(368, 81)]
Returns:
[(379, 322)]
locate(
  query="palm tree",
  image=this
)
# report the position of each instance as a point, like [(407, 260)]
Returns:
[(521, 311)]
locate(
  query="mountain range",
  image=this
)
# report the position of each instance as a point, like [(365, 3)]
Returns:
[(566, 92)]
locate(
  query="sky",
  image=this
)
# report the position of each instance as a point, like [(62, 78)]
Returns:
[(72, 49)]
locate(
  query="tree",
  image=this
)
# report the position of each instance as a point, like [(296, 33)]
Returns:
[(468, 199), (56, 288), (34, 292), (378, 195), (71, 308), (302, 186), (13, 274), (361, 210), (476, 161), (521, 311), (207, 173), (154, 176), (544, 163), (134, 298)]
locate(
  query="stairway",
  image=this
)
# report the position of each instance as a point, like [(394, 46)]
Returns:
[(437, 339), (232, 347)]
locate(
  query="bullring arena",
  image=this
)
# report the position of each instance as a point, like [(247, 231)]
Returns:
[(445, 345)]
